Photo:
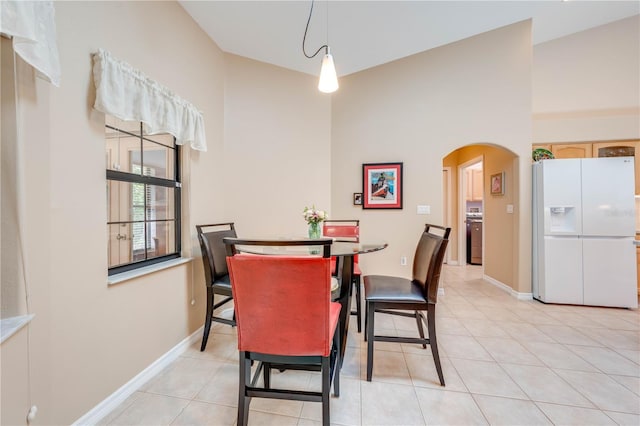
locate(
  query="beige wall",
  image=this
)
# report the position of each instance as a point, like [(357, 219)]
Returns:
[(14, 379), (419, 109), (586, 86), (276, 149), (12, 302), (14, 356), (88, 339)]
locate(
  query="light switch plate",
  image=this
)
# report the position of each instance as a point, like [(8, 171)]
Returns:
[(424, 210), (509, 208)]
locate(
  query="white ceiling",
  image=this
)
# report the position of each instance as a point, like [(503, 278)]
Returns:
[(365, 33)]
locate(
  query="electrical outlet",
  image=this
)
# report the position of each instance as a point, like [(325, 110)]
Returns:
[(403, 261)]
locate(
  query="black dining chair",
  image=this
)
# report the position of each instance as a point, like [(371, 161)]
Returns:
[(216, 274), (286, 320), (396, 296)]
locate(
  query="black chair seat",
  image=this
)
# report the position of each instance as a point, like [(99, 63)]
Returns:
[(382, 288), (222, 285)]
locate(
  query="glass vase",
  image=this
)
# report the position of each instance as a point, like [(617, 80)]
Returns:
[(314, 231)]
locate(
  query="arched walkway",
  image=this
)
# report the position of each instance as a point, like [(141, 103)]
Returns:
[(499, 226)]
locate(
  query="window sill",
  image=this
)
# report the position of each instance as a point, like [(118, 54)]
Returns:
[(10, 326), (136, 273)]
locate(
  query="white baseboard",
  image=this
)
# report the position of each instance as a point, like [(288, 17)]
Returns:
[(98, 412), (452, 262), (512, 292)]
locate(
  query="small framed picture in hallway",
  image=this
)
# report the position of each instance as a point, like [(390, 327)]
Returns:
[(497, 184)]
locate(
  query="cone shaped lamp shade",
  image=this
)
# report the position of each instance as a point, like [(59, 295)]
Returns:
[(328, 78)]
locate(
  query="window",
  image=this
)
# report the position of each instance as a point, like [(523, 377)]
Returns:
[(143, 196)]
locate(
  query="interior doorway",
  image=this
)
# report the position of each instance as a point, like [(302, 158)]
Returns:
[(471, 212), (501, 237)]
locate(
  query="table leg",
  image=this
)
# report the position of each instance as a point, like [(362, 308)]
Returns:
[(345, 271)]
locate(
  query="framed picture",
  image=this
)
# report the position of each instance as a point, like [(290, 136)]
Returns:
[(357, 198), (497, 184), (382, 185)]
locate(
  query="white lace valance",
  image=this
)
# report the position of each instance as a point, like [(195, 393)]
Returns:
[(32, 26), (128, 94)]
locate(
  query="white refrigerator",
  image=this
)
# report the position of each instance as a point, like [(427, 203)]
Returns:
[(583, 232)]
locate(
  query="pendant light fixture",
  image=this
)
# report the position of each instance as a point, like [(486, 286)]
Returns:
[(328, 78)]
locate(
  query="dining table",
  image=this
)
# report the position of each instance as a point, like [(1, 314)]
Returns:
[(344, 251)]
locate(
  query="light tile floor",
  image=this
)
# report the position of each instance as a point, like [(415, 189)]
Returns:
[(505, 361)]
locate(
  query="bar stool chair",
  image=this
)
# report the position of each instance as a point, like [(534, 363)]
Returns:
[(348, 230), (396, 295), (216, 275), (285, 320)]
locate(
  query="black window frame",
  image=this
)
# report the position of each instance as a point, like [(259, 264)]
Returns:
[(118, 176)]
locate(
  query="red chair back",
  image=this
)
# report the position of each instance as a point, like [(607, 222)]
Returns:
[(336, 231), (282, 304), (348, 229)]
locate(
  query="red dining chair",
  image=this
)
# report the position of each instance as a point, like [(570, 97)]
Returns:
[(285, 320), (216, 275), (348, 230), (397, 295)]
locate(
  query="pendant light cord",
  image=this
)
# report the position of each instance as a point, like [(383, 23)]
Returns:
[(304, 38)]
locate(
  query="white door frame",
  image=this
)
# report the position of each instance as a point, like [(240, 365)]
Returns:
[(462, 217)]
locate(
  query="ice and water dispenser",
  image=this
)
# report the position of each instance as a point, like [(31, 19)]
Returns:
[(561, 220)]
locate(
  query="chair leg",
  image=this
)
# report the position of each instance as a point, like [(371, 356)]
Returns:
[(419, 319), (326, 386), (207, 320), (266, 374), (336, 365), (366, 318), (356, 283), (371, 309), (433, 342), (243, 400)]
